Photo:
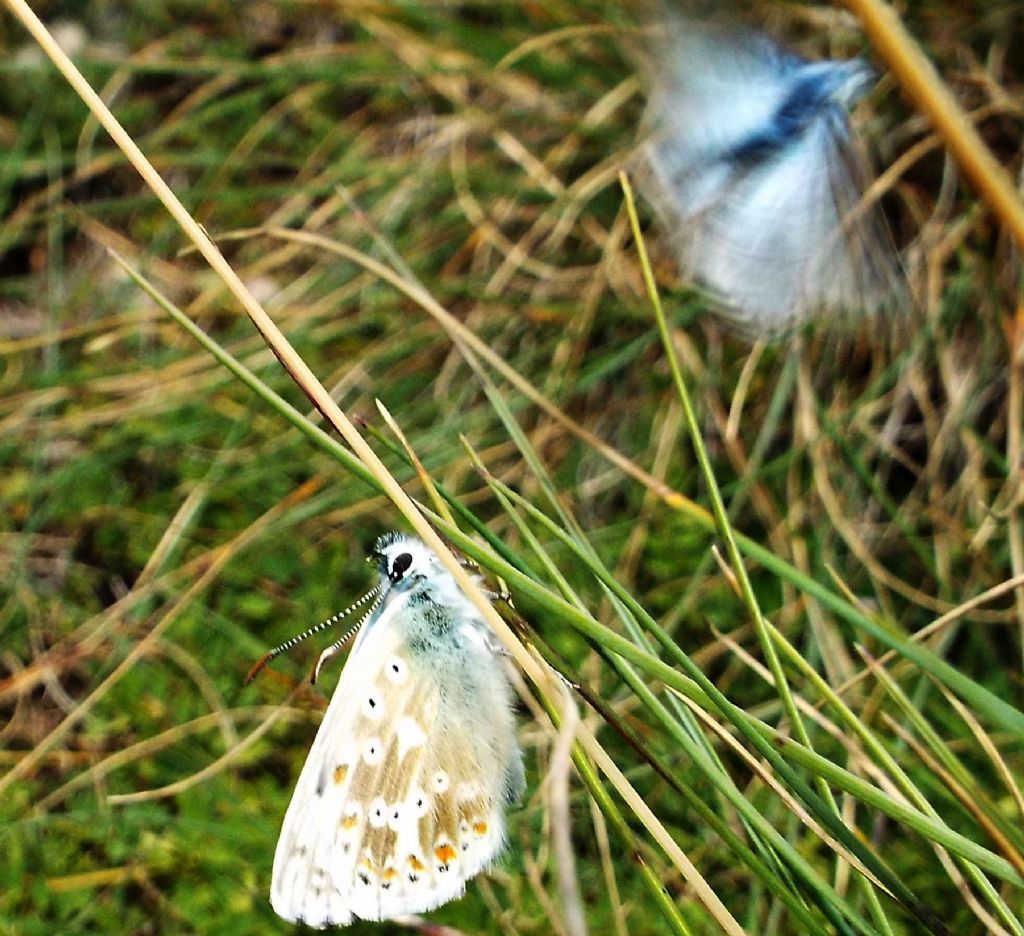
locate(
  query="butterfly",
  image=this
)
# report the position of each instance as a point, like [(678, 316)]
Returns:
[(755, 171), (402, 798)]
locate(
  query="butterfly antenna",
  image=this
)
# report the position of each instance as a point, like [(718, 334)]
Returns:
[(373, 593), (344, 638)]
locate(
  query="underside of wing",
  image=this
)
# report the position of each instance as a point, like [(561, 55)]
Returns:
[(710, 89), (435, 823), (402, 797), (305, 863), (792, 238)]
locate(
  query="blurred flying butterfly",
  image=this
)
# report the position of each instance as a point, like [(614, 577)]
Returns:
[(402, 798), (755, 171)]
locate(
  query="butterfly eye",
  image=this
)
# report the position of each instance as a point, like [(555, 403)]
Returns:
[(401, 565)]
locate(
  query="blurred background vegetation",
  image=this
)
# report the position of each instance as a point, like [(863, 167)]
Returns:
[(162, 527)]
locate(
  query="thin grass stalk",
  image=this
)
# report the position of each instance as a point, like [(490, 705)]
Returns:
[(892, 509), (882, 757), (610, 811), (579, 536), (681, 731), (717, 505), (682, 715), (683, 718), (586, 769), (719, 826)]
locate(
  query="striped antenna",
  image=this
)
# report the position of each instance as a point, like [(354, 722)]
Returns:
[(344, 638), (332, 620)]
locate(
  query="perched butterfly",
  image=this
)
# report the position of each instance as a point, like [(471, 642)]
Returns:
[(402, 798), (756, 174)]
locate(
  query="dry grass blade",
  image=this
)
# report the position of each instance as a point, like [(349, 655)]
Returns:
[(918, 76), (145, 646), (210, 770)]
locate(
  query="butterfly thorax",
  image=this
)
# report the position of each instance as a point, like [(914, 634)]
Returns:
[(822, 87)]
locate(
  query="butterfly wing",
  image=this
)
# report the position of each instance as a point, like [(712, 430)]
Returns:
[(710, 89), (402, 797), (323, 814), (791, 238), (757, 176), (873, 278), (766, 244)]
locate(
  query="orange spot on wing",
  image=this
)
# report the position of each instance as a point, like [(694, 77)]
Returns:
[(349, 822), (444, 854), (340, 772), (414, 863), (480, 828), (389, 874)]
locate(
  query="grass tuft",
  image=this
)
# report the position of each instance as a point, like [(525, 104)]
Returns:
[(787, 580)]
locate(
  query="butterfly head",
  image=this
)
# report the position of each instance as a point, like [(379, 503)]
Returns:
[(402, 560), (842, 82)]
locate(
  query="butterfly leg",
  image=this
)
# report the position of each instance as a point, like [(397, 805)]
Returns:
[(327, 654), (501, 594)]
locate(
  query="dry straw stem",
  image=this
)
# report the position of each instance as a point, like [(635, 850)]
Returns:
[(986, 744), (421, 473), (311, 386), (937, 625), (96, 774), (145, 646), (918, 77), (967, 797), (215, 767), (460, 333)]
